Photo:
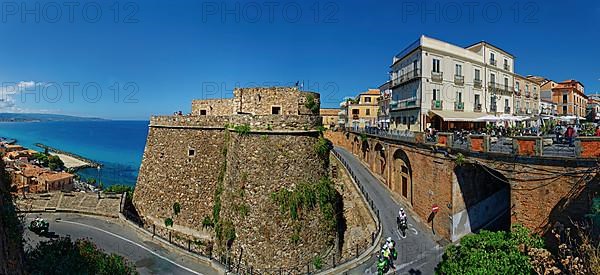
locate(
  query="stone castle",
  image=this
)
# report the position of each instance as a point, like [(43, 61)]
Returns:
[(221, 165)]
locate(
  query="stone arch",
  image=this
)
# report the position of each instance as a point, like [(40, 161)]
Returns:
[(401, 180), (482, 200), (365, 149), (379, 159), (356, 146)]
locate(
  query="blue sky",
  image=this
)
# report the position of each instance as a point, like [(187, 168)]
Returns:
[(161, 55)]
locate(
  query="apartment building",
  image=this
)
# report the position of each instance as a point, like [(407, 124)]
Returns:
[(362, 111), (383, 111), (570, 98), (526, 96), (329, 117), (593, 108), (437, 84)]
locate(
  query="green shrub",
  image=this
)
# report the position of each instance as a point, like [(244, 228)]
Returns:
[(207, 222), (490, 253), (323, 146), (311, 104), (307, 196), (168, 222), (363, 137), (242, 130), (318, 262), (176, 208), (120, 189), (243, 209), (460, 159)]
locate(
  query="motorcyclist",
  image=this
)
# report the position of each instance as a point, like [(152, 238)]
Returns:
[(402, 214)]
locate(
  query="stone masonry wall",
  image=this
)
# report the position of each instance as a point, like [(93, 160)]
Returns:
[(169, 175), (256, 122), (257, 166), (259, 101), (213, 107)]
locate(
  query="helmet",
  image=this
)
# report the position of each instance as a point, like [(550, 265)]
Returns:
[(401, 209), (389, 239)]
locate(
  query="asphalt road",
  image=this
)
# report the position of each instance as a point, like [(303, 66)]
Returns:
[(114, 237), (418, 253)]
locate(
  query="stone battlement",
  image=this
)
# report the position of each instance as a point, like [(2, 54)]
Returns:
[(260, 101), (256, 122)]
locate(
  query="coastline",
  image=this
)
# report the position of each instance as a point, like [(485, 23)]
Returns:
[(77, 162)]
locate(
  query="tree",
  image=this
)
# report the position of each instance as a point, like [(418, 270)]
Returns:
[(491, 253), (63, 256), (55, 163)]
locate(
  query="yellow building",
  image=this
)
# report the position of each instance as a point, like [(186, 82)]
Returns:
[(362, 111), (330, 117)]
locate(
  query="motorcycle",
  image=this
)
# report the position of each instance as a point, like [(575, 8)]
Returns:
[(383, 265), (402, 226)]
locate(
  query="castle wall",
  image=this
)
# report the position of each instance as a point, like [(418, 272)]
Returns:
[(259, 101), (257, 166), (169, 175)]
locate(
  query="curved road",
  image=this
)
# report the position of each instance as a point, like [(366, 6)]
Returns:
[(418, 253), (114, 237)]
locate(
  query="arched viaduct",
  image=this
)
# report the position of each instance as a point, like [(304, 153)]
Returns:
[(478, 189)]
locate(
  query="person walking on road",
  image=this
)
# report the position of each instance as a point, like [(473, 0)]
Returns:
[(570, 134)]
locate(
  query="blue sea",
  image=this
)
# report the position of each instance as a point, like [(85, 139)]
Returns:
[(117, 145)]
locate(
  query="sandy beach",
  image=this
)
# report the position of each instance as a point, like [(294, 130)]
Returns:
[(70, 162)]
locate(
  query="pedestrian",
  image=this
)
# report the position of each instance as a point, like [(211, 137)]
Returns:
[(597, 131), (569, 134)]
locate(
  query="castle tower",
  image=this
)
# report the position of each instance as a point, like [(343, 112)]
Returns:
[(224, 166)]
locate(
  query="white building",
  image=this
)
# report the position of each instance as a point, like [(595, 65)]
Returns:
[(445, 86)]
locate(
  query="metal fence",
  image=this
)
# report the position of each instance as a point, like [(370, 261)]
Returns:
[(233, 262)]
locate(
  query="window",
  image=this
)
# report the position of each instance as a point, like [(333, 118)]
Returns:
[(477, 74), (492, 78), (275, 110), (564, 98), (506, 82), (368, 112), (517, 86), (458, 69), (492, 57), (368, 99), (564, 110), (355, 111), (415, 67), (477, 100), (191, 152), (202, 112), (436, 94), (459, 96), (436, 65), (505, 62), (526, 88), (506, 103)]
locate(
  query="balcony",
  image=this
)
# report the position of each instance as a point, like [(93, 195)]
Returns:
[(477, 107), (459, 80), (459, 106), (436, 105), (437, 77), (535, 96), (405, 77), (477, 83), (499, 88), (493, 61), (355, 116), (404, 104), (528, 111), (527, 95), (518, 92), (493, 108), (506, 67), (507, 110)]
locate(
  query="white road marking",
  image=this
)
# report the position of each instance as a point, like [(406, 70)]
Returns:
[(134, 243)]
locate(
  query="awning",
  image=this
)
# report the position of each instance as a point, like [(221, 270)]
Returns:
[(457, 116)]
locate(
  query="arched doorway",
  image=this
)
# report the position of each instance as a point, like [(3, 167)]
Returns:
[(402, 175), (379, 160)]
